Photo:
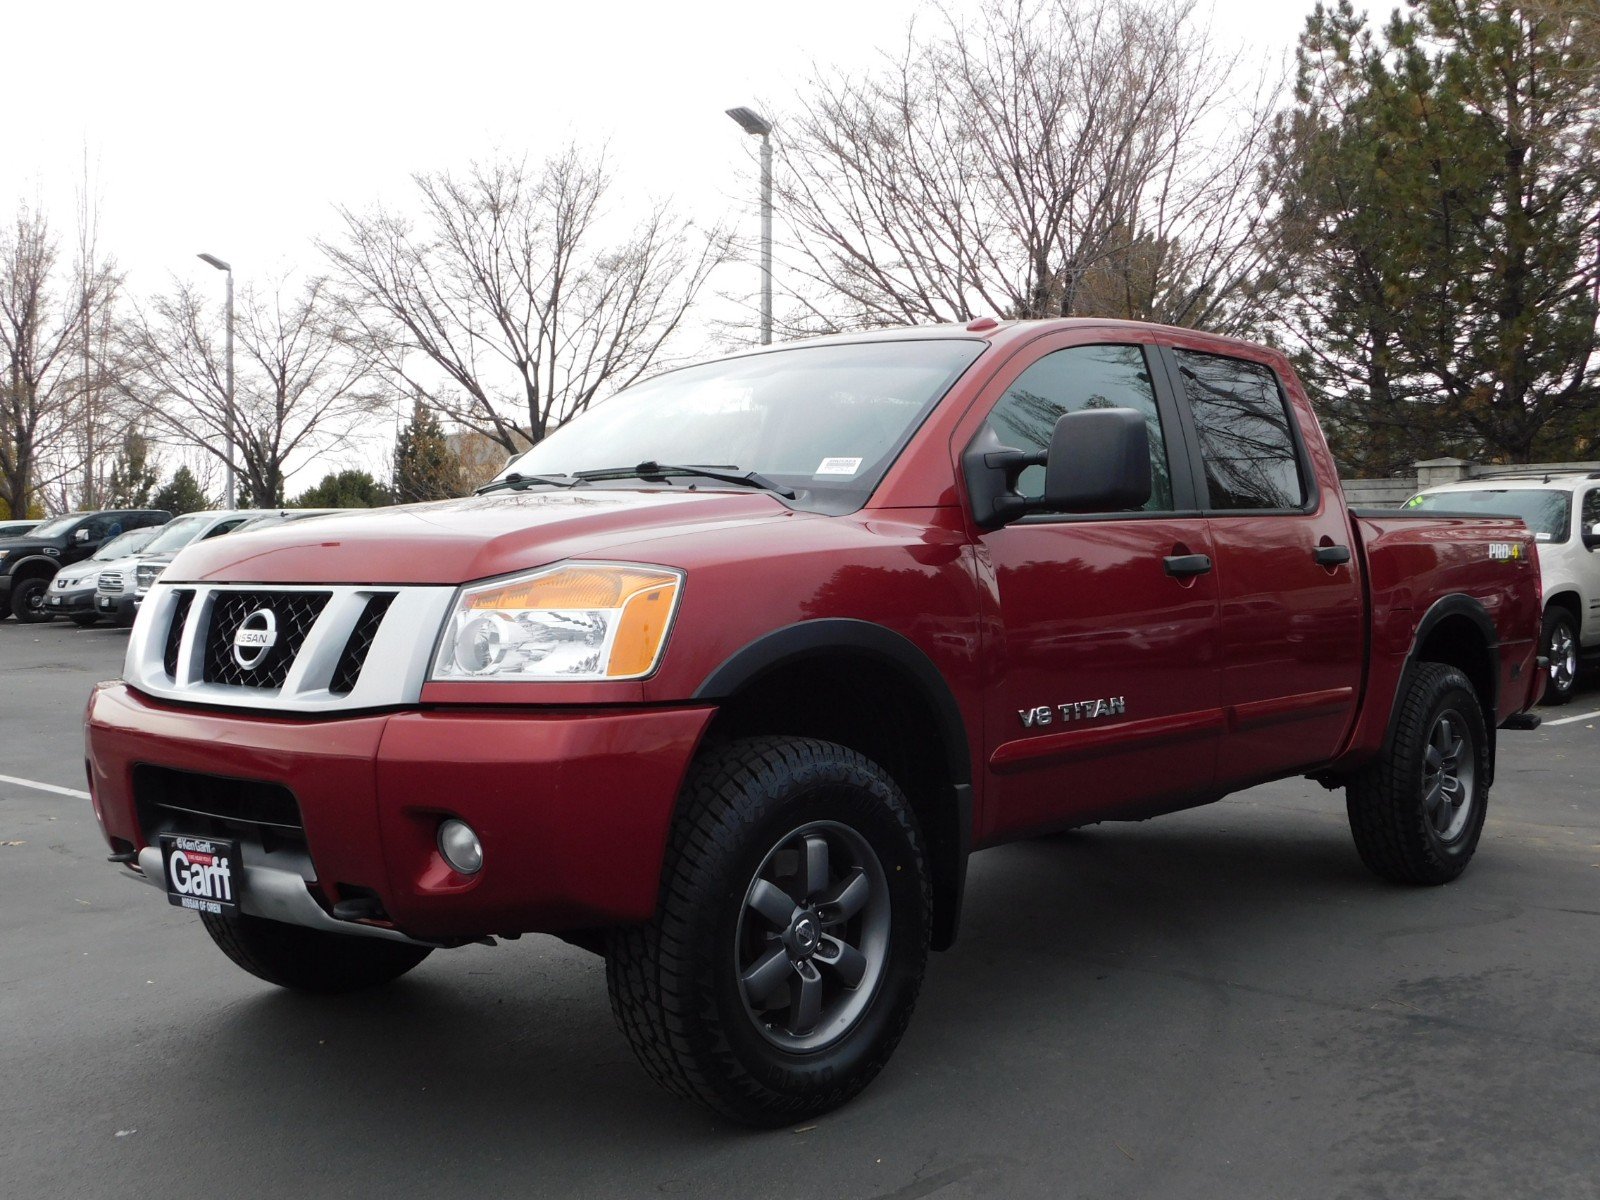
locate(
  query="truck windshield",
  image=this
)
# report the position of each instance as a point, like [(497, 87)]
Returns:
[(175, 535), (125, 544), (1545, 511), (823, 421), (56, 527)]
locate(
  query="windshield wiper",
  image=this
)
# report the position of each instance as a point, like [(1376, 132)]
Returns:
[(655, 470), (518, 482)]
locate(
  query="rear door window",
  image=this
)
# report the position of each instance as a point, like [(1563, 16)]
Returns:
[(1246, 441)]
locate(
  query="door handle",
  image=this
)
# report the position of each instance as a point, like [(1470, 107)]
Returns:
[(1331, 556), (1182, 566)]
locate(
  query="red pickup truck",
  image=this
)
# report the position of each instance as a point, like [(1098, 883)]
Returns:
[(727, 678)]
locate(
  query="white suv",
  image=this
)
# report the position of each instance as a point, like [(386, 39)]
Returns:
[(1563, 511)]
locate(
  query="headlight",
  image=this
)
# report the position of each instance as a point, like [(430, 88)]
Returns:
[(575, 621), (144, 576)]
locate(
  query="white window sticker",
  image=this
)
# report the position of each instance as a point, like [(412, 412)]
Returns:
[(839, 466)]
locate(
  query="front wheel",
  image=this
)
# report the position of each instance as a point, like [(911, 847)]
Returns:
[(311, 960), (791, 936), (1417, 812), (27, 600), (1558, 642)]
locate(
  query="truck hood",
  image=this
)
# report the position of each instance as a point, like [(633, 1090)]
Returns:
[(457, 541)]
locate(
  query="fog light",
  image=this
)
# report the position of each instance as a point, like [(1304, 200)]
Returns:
[(460, 847)]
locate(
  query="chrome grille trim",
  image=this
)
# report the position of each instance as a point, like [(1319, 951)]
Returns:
[(395, 667)]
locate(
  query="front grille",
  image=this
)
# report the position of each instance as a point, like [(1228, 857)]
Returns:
[(169, 801), (180, 617), (109, 581), (355, 650), (293, 614)]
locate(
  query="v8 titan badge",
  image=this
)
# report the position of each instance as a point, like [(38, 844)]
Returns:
[(202, 874)]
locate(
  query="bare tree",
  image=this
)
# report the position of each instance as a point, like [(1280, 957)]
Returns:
[(509, 306), (41, 318), (1045, 158), (102, 420), (298, 388)]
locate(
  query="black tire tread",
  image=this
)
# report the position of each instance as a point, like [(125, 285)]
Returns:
[(657, 1015), (18, 601), (1383, 819)]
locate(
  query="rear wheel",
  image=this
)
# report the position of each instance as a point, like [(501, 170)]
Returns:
[(784, 961), (27, 600), (1417, 812), (1558, 642), (311, 960)]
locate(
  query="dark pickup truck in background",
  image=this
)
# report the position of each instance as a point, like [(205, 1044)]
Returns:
[(28, 563), (727, 677)]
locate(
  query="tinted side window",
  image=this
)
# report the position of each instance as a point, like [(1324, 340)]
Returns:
[(1245, 439), (98, 527), (223, 527), (1591, 510), (1072, 380)]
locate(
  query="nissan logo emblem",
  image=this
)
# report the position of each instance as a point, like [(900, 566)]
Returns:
[(256, 635)]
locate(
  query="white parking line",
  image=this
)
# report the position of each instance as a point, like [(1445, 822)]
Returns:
[(44, 787), (1588, 716)]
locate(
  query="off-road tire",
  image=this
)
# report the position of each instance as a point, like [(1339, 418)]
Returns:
[(84, 620), (1558, 630), (674, 983), (1385, 801), (311, 960), (23, 594)]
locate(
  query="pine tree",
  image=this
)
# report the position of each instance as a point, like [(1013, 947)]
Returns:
[(345, 489), (425, 468), (133, 476), (1440, 229), (182, 494)]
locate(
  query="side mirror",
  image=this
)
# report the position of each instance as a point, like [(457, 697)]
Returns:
[(1098, 461), (81, 536), (1591, 537)]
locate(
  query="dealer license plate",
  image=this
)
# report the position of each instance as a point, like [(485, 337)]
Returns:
[(55, 601), (202, 874)]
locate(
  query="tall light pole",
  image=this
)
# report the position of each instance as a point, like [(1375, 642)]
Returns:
[(758, 126), (216, 262)]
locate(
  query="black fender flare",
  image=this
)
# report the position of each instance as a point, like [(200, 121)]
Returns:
[(23, 568), (1455, 605), (829, 635)]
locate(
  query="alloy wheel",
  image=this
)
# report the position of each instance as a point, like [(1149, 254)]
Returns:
[(1449, 768), (813, 936)]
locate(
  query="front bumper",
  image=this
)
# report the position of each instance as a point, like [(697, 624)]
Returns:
[(68, 602), (572, 808), (120, 607)]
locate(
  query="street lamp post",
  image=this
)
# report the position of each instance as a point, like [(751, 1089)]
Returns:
[(216, 262), (758, 126)]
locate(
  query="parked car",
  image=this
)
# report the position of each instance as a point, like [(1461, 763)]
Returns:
[(1563, 511), (11, 529), (122, 587), (30, 562), (283, 516), (738, 728), (71, 592)]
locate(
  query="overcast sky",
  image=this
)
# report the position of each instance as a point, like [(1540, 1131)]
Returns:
[(234, 128)]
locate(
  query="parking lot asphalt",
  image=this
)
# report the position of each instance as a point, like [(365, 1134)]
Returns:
[(1220, 1003)]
